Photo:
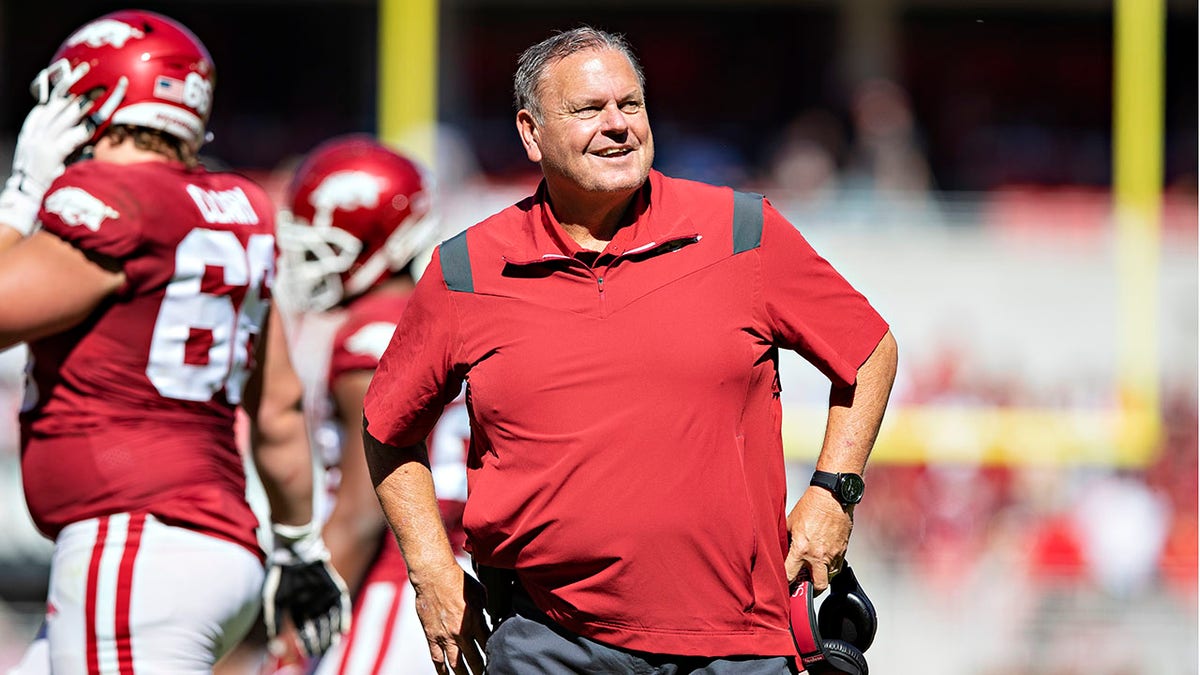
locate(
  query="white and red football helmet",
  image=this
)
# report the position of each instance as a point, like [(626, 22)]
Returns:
[(142, 69), (357, 212)]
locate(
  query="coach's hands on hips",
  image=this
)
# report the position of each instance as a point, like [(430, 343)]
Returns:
[(819, 531), (56, 127), (303, 587), (450, 605)]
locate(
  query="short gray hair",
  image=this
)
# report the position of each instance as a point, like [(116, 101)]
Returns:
[(532, 64)]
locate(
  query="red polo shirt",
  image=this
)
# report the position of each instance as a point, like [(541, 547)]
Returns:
[(626, 456)]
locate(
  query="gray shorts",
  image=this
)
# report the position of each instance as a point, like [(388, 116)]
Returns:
[(530, 642)]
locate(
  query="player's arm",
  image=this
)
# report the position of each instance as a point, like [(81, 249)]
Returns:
[(278, 435), (448, 603), (353, 530), (9, 236), (48, 286), (301, 585), (819, 526)]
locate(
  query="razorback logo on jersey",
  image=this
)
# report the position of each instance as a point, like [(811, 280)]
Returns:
[(347, 190), (229, 207), (77, 207), (105, 32), (372, 339)]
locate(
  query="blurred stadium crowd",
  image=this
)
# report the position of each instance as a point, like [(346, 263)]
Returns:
[(978, 566), (1041, 569)]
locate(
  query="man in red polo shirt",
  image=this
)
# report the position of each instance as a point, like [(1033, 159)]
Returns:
[(618, 332)]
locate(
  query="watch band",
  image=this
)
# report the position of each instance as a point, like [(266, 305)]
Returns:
[(847, 488), (825, 479)]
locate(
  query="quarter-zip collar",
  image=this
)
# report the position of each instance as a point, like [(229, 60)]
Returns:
[(544, 240)]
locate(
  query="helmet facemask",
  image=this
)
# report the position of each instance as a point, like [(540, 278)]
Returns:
[(311, 263), (315, 259)]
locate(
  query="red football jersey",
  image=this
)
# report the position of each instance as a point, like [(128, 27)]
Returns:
[(358, 345), (361, 338), (133, 409)]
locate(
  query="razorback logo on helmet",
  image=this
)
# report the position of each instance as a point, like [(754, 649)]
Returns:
[(228, 207), (348, 190), (76, 207), (105, 32), (372, 339)]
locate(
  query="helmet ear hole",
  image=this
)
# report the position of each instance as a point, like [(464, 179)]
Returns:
[(94, 94)]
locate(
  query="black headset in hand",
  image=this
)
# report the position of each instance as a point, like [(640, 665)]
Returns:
[(835, 641)]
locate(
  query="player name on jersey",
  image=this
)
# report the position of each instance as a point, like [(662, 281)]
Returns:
[(228, 207)]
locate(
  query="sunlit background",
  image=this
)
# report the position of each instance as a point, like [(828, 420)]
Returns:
[(1011, 182)]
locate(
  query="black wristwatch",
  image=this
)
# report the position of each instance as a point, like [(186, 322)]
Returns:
[(847, 488)]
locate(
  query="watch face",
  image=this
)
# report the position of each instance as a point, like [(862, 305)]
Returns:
[(851, 488)]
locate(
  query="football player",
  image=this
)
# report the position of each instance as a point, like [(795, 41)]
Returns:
[(142, 285), (358, 214)]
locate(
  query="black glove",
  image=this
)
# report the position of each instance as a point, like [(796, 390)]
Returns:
[(302, 586)]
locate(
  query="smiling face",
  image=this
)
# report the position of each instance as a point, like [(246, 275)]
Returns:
[(593, 135)]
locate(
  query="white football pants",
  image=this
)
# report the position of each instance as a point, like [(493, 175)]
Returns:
[(130, 595)]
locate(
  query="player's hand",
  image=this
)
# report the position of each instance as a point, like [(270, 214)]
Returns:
[(54, 129), (450, 605), (303, 587), (819, 531)]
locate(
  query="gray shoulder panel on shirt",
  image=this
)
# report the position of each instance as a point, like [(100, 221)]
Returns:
[(747, 221), (456, 264)]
